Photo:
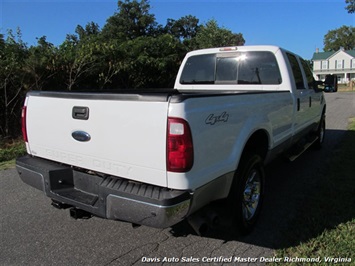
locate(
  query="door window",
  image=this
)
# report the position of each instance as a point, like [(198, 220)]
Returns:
[(296, 70), (309, 75)]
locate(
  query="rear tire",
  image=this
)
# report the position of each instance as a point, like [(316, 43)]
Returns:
[(247, 193)]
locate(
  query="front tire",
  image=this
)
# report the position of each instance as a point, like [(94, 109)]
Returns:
[(247, 193)]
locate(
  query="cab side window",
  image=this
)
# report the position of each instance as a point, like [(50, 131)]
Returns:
[(310, 79), (296, 70)]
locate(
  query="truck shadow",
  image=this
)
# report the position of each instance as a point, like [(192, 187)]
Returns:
[(301, 201)]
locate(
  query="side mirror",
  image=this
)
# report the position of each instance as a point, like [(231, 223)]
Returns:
[(319, 83)]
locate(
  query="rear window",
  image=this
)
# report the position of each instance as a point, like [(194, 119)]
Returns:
[(232, 68)]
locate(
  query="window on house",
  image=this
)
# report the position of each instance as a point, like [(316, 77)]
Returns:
[(324, 64), (339, 64)]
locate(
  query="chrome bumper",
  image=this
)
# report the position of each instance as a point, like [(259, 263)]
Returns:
[(107, 197)]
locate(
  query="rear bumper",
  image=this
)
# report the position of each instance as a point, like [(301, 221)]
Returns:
[(107, 196)]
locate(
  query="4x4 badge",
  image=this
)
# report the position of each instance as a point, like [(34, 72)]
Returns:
[(213, 119)]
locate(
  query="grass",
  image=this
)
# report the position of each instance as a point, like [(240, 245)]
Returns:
[(345, 88), (9, 150), (329, 214)]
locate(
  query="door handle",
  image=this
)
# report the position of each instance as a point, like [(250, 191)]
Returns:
[(80, 112), (298, 104), (310, 101)]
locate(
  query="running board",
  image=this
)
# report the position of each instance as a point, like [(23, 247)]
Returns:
[(300, 150)]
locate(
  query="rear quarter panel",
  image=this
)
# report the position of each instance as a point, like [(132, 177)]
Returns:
[(221, 126)]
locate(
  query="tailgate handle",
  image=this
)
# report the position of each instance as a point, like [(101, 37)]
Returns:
[(80, 112)]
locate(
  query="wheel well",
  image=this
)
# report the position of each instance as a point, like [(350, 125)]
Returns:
[(258, 143)]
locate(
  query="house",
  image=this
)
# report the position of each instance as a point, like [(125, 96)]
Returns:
[(340, 63)]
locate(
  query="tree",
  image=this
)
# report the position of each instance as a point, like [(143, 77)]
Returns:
[(13, 53), (184, 28), (150, 62), (351, 6), (79, 55), (110, 63), (343, 37), (133, 20), (78, 61), (41, 63), (2, 42), (91, 29), (211, 35)]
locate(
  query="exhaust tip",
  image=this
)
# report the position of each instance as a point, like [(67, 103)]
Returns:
[(202, 222), (198, 224), (213, 219), (203, 230)]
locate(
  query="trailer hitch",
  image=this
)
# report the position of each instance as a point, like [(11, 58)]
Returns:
[(79, 214)]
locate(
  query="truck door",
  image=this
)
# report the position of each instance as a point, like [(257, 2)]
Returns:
[(316, 97), (303, 96)]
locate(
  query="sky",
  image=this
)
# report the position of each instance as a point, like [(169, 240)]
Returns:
[(296, 25)]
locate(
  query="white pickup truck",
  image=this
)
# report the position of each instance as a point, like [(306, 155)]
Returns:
[(156, 157)]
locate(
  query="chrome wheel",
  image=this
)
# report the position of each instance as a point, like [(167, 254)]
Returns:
[(246, 195), (251, 195)]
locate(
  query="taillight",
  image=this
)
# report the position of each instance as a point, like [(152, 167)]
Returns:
[(180, 154), (23, 123)]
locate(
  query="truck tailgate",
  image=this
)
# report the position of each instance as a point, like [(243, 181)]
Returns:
[(120, 137)]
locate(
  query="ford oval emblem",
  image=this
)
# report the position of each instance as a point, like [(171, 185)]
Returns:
[(81, 136)]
